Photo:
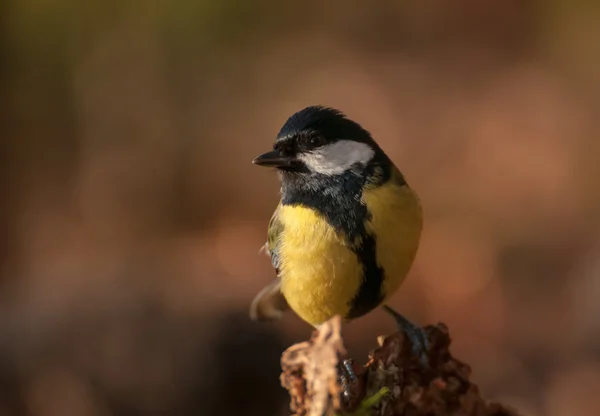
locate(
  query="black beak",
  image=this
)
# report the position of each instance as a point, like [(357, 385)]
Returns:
[(273, 159)]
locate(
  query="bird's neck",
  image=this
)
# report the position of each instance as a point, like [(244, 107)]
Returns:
[(337, 198), (347, 185)]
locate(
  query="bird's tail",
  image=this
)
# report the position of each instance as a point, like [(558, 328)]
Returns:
[(269, 304)]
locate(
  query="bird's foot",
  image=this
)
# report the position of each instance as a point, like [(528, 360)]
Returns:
[(417, 335), (352, 389)]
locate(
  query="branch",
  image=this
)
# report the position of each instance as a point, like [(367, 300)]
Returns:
[(391, 383)]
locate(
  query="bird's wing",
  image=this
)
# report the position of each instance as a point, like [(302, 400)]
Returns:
[(273, 235), (270, 304)]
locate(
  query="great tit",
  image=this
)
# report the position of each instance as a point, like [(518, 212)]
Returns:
[(347, 228)]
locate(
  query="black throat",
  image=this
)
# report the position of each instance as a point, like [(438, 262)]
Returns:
[(337, 198)]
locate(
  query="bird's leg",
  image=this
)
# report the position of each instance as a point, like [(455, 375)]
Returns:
[(416, 335), (347, 378), (348, 370)]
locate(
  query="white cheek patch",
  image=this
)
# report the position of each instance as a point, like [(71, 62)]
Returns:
[(337, 157)]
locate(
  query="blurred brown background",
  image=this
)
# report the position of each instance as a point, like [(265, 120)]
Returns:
[(132, 217)]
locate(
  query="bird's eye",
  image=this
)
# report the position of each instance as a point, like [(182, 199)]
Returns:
[(316, 141)]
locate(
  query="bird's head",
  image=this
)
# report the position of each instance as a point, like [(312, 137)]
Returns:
[(320, 141)]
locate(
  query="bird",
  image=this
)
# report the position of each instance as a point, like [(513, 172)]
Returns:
[(347, 227)]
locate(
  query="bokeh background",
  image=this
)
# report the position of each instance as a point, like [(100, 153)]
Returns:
[(132, 217)]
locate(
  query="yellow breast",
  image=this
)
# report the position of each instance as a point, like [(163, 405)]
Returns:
[(397, 221), (320, 275)]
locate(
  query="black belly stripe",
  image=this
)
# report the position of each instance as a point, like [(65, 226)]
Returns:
[(370, 292)]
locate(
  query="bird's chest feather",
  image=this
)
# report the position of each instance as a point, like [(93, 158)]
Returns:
[(396, 219), (319, 272)]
